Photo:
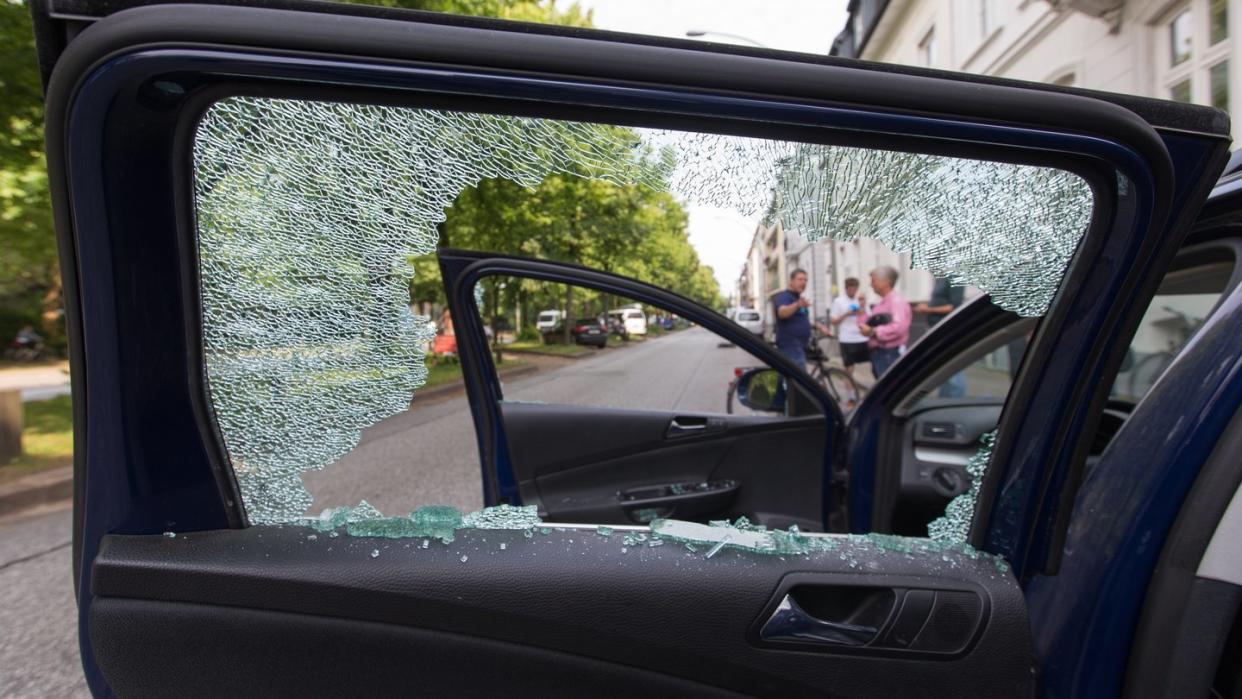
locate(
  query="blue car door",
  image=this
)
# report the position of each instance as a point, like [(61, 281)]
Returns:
[(247, 196)]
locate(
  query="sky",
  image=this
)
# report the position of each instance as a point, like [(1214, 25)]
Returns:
[(722, 236)]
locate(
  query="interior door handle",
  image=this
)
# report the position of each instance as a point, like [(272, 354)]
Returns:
[(791, 622), (685, 425)]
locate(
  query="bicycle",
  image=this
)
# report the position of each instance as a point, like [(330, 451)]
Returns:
[(845, 391)]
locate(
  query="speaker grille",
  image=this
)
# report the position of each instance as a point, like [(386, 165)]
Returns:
[(952, 623)]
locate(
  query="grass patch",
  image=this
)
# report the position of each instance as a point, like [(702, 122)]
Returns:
[(557, 350), (450, 372), (47, 438)]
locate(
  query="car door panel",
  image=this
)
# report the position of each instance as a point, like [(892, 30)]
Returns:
[(937, 443), (467, 614), (149, 457), (579, 464)]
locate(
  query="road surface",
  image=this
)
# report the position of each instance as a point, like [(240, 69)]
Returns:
[(38, 617)]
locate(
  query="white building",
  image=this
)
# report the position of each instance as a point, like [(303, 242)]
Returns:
[(1180, 50), (1167, 49)]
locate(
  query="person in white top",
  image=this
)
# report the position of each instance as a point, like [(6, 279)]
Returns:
[(853, 343)]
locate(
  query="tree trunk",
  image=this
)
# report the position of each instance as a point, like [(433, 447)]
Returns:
[(53, 316)]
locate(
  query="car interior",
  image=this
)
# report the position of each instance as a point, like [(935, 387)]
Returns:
[(933, 437)]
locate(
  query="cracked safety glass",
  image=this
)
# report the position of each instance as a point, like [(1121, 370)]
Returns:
[(323, 310)]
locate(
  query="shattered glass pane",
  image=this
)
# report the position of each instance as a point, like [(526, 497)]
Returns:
[(954, 526), (308, 214)]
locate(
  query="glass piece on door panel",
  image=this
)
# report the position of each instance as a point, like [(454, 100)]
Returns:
[(312, 216), (954, 526)]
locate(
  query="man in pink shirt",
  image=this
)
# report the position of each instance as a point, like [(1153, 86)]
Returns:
[(887, 325)]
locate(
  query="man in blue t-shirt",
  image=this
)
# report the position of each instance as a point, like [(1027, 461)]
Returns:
[(793, 320)]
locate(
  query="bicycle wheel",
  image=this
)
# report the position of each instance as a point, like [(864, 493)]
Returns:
[(842, 387)]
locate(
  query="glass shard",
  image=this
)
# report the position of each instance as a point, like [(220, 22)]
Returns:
[(954, 526)]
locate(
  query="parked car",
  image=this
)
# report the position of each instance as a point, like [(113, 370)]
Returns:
[(632, 320), (1098, 553), (750, 319), (548, 320), (590, 331)]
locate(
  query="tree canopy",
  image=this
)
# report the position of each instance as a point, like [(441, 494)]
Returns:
[(29, 273), (28, 265)]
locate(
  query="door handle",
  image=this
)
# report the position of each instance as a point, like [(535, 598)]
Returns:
[(686, 425), (790, 622)]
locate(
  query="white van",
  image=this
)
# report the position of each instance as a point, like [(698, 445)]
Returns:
[(750, 319), (548, 320), (632, 319)]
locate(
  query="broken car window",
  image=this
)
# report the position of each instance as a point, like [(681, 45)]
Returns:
[(315, 221)]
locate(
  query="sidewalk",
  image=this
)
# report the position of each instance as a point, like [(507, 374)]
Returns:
[(37, 382)]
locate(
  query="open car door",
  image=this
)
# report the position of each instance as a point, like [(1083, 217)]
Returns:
[(691, 460), (239, 192)]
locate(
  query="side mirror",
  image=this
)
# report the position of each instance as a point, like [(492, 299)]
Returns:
[(763, 390)]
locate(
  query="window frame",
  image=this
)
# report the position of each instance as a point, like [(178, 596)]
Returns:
[(1101, 188)]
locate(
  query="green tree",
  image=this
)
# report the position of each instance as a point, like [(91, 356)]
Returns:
[(518, 10), (30, 290), (29, 276), (628, 229)]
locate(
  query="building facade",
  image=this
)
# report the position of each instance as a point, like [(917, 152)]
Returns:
[(1168, 49), (1180, 50)]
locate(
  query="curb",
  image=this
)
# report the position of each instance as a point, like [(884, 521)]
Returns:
[(36, 489), (460, 386), (537, 353), (584, 355)]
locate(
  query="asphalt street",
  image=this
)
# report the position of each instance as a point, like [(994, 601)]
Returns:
[(38, 616), (428, 454)]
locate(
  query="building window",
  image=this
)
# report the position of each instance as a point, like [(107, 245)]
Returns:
[(1195, 52), (1218, 21), (1181, 37), (1218, 78), (928, 47), (1180, 92)]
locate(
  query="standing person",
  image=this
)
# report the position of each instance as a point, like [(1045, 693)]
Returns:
[(887, 325), (944, 298), (793, 321), (852, 342)]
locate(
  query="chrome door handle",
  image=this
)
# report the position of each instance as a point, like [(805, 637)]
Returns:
[(792, 623)]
